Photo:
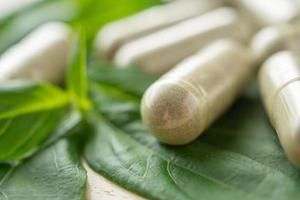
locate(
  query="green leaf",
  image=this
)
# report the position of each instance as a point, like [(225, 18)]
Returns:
[(4, 168), (77, 82), (55, 173), (28, 114), (70, 124), (17, 26), (131, 80), (239, 157)]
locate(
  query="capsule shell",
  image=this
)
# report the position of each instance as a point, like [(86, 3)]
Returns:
[(114, 35), (185, 101), (42, 55), (272, 39), (9, 7), (269, 12), (279, 80), (159, 52)]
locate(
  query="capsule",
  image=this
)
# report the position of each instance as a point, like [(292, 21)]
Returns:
[(279, 80), (272, 39), (116, 34), (42, 55), (186, 100), (10, 7), (269, 12), (159, 52)]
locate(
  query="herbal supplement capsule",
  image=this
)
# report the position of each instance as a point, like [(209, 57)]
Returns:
[(269, 12), (272, 39), (42, 55), (8, 7), (186, 100), (159, 52), (116, 34), (279, 80)]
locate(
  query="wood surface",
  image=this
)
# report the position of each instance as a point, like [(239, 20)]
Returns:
[(100, 188)]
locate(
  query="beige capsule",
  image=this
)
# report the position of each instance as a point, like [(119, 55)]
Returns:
[(161, 51), (185, 101), (269, 12), (42, 55), (272, 39), (279, 80), (115, 34)]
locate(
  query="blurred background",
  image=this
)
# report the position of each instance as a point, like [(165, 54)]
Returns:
[(19, 17)]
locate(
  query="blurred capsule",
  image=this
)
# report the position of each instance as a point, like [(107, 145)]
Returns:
[(269, 12), (185, 101), (272, 39), (9, 7), (279, 80), (116, 34), (159, 52), (42, 55)]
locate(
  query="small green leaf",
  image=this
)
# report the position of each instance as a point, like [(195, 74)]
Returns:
[(54, 173), (77, 83), (131, 80), (28, 114), (239, 157), (70, 124)]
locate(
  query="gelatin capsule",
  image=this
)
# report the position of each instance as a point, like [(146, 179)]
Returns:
[(279, 80), (159, 52), (42, 55), (269, 12), (272, 39), (185, 101), (9, 7), (117, 33)]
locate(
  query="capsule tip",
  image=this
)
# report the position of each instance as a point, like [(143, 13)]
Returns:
[(291, 143), (173, 113)]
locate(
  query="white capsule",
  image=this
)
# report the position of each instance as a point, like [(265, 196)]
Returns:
[(272, 39), (279, 80), (269, 12), (186, 100), (8, 7), (42, 55), (118, 33), (159, 52)]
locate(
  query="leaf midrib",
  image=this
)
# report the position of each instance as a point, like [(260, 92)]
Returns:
[(43, 106), (27, 137)]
